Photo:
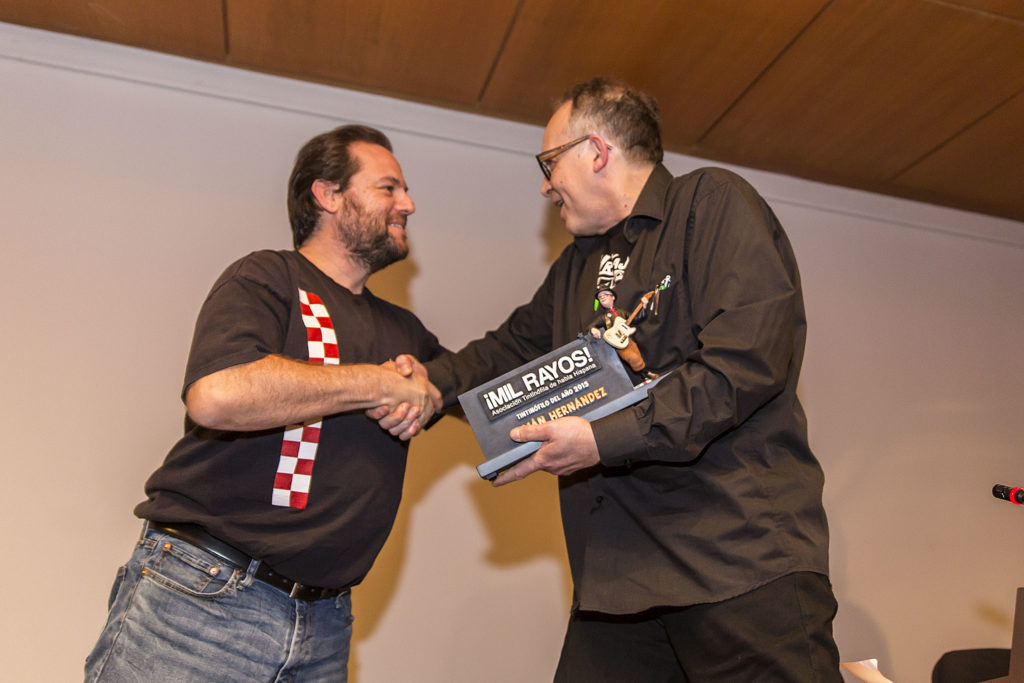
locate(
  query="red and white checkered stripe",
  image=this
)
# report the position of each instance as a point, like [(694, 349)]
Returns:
[(298, 450)]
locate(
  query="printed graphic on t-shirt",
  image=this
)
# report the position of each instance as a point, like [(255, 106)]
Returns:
[(298, 450), (610, 271)]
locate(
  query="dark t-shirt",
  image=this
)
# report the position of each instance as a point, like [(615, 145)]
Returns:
[(316, 509)]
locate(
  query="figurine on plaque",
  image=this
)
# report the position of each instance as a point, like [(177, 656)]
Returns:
[(618, 331)]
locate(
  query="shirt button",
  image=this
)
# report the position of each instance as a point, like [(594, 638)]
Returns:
[(599, 499)]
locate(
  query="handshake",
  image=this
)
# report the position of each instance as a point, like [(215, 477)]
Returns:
[(408, 400)]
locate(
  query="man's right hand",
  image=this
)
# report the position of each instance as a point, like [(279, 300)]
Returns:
[(414, 400)]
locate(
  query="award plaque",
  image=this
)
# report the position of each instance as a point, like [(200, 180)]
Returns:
[(583, 378)]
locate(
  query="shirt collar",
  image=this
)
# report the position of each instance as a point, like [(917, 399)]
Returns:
[(648, 211)]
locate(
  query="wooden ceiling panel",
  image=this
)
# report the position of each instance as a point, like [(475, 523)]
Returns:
[(918, 98), (1008, 8), (980, 167), (872, 86), (191, 28), (695, 57), (438, 52)]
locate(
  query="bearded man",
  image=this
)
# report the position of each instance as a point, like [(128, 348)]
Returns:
[(281, 492)]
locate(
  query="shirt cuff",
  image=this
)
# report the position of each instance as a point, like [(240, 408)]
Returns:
[(440, 376), (618, 437)]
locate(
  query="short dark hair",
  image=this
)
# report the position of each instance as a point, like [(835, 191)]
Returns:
[(325, 157), (628, 115)]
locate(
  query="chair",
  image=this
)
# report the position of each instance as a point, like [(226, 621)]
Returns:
[(972, 666)]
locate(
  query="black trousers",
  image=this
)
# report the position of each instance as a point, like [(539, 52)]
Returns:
[(781, 631)]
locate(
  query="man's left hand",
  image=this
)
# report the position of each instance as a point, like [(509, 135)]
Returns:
[(567, 445)]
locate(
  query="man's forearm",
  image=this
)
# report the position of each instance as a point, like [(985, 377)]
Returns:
[(276, 391)]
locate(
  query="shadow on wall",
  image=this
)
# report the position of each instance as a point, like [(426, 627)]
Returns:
[(860, 630), (392, 283), (857, 633), (522, 521)]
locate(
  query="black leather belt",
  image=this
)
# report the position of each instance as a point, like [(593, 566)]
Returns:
[(197, 536)]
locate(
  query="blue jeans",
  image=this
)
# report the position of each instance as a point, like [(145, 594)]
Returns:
[(178, 613)]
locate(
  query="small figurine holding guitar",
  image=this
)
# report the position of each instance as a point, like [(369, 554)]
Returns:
[(618, 333)]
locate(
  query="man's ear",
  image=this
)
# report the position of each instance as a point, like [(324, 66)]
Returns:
[(327, 195), (598, 151)]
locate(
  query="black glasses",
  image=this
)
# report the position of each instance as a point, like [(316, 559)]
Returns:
[(547, 156)]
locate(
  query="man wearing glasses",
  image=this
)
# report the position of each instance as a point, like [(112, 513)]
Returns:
[(696, 535)]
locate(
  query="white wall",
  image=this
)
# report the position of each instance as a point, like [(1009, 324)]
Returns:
[(128, 180)]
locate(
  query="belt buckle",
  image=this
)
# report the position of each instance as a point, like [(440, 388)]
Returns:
[(296, 589)]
